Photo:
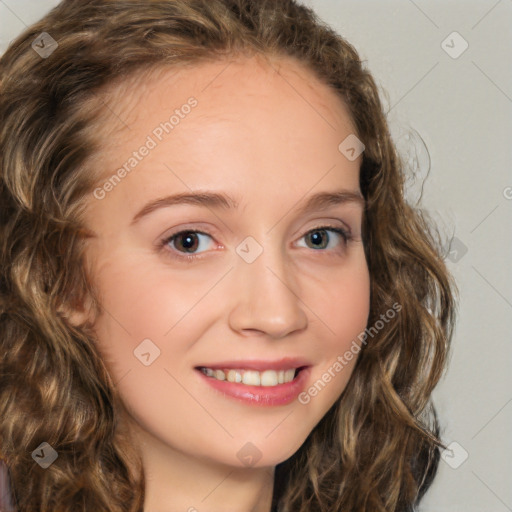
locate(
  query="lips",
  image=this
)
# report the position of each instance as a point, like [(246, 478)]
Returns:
[(266, 394)]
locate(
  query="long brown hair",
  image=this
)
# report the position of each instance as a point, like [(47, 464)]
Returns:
[(377, 448)]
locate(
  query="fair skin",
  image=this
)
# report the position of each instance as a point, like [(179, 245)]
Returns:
[(270, 140)]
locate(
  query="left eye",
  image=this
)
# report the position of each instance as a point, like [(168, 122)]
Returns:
[(313, 234), (188, 240)]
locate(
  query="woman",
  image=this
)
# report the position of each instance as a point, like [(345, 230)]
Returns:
[(260, 370)]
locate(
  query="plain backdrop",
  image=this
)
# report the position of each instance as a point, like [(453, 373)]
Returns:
[(446, 80)]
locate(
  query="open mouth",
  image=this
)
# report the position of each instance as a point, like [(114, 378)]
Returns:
[(252, 377)]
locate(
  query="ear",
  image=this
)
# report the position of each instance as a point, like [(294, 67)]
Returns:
[(76, 313)]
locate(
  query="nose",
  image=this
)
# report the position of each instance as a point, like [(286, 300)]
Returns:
[(266, 297)]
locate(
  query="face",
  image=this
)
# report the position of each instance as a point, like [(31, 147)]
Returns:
[(245, 278)]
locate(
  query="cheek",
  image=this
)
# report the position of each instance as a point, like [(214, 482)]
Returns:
[(130, 310), (343, 303), (142, 299), (343, 306), (141, 303)]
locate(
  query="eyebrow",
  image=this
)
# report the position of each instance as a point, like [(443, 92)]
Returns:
[(316, 202)]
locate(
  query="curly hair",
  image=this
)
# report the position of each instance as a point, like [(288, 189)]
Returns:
[(378, 447)]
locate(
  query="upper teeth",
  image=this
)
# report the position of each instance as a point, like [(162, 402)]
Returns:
[(252, 377)]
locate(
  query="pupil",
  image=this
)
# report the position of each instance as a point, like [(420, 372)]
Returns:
[(189, 241), (316, 238)]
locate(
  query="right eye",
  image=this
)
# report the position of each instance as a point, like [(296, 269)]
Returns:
[(188, 240)]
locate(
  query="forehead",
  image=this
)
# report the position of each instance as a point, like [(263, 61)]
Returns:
[(259, 128), (227, 86)]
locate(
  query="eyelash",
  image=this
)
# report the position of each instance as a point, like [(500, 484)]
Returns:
[(346, 236)]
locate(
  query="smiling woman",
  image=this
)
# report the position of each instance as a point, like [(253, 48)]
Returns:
[(249, 317)]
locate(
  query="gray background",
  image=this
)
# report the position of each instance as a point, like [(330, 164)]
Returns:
[(460, 109)]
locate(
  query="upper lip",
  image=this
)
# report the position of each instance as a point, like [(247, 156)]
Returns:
[(259, 364)]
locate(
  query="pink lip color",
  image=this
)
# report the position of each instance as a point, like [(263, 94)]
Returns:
[(281, 394)]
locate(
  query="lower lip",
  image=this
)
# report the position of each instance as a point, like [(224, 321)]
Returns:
[(282, 394)]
